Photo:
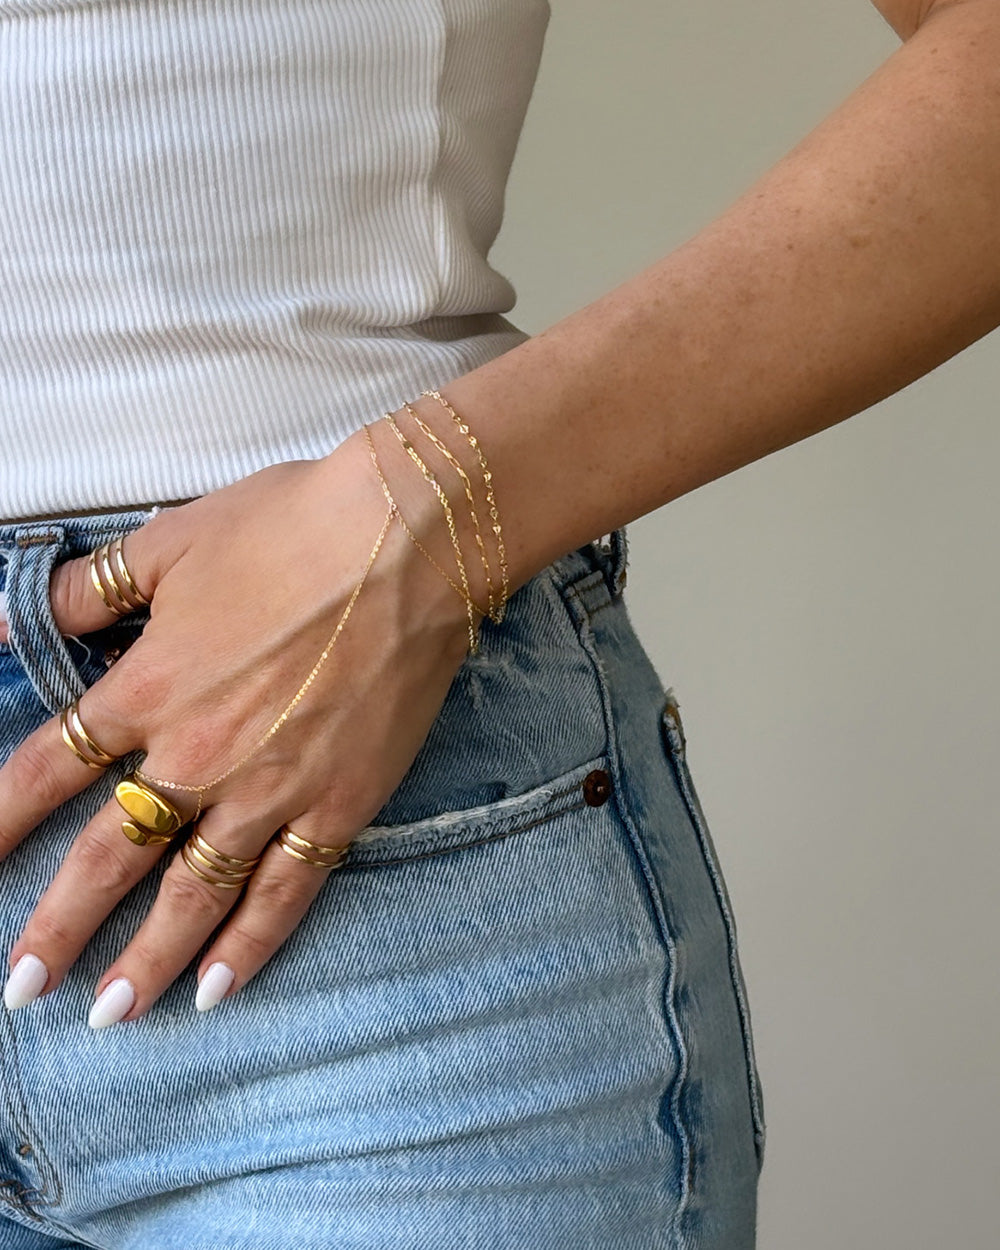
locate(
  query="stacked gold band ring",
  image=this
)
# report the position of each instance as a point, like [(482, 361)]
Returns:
[(112, 580), (321, 856), (80, 742), (227, 872), (154, 821)]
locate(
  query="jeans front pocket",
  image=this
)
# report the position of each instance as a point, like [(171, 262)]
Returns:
[(588, 784), (59, 667), (675, 745)]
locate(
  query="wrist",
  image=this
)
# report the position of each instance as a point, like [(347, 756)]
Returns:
[(419, 546)]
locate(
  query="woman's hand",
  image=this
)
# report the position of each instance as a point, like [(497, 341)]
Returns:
[(247, 585)]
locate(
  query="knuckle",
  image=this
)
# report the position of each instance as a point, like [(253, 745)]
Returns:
[(158, 967), (104, 866), (202, 740), (136, 682), (255, 948), (282, 891), (49, 932), (185, 895), (35, 772)]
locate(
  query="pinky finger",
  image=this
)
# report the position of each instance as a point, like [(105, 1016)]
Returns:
[(277, 896)]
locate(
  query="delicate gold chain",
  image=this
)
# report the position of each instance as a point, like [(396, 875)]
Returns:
[(495, 612), (458, 467), (488, 483), (200, 790), (449, 517), (413, 538)]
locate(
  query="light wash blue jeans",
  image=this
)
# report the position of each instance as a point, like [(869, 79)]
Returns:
[(515, 1019)]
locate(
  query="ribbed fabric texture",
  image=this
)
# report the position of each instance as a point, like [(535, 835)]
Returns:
[(231, 232)]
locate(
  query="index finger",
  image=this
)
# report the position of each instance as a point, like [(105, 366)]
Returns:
[(45, 771)]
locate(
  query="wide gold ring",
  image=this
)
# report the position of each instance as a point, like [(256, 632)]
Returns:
[(225, 872), (112, 580), (80, 742), (154, 820), (294, 844)]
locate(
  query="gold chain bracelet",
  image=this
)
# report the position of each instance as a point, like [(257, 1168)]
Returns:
[(460, 470), (449, 517), (488, 485)]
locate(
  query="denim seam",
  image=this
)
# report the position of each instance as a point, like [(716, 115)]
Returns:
[(575, 606), (550, 813), (578, 589), (19, 1112), (677, 754), (47, 692)]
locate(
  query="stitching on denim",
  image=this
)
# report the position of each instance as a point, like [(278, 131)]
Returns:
[(603, 607), (541, 794), (36, 540), (541, 819), (659, 907), (66, 666), (676, 752), (47, 694), (19, 1111), (576, 590)]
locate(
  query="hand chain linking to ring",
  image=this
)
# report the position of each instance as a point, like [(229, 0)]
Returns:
[(201, 790), (152, 826)]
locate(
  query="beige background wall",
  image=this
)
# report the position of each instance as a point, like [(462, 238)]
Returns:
[(829, 618)]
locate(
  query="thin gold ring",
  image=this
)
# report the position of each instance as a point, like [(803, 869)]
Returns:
[(80, 742), (290, 841), (118, 554)]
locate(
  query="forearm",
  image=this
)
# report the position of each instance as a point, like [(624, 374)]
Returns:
[(862, 260)]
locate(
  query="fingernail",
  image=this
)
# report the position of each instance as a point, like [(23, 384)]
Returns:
[(114, 1003), (26, 981), (213, 985)]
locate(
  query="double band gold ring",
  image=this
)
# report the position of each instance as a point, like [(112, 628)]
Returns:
[(80, 742), (294, 844)]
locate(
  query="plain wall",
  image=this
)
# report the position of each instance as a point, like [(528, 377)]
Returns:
[(829, 619)]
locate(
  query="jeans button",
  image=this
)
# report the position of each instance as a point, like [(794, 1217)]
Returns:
[(597, 787)]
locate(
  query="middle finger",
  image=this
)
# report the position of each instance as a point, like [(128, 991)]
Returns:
[(99, 869)]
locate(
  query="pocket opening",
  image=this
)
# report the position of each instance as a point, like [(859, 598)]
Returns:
[(471, 826)]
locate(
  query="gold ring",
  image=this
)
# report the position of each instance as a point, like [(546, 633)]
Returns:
[(295, 845), (229, 871), (154, 820), (113, 581), (80, 742)]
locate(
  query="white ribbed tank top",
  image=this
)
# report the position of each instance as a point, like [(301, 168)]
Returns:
[(231, 231)]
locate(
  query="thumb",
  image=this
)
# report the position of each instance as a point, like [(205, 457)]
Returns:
[(92, 591)]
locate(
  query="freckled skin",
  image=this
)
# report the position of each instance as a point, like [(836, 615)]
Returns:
[(865, 258)]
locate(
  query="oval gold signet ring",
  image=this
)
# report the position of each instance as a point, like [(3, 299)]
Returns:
[(154, 820)]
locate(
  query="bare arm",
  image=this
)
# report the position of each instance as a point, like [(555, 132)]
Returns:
[(863, 259)]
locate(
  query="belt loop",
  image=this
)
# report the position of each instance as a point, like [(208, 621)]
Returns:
[(613, 555), (32, 633)]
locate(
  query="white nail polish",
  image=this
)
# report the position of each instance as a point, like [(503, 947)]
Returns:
[(114, 1002), (26, 981), (213, 985)]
